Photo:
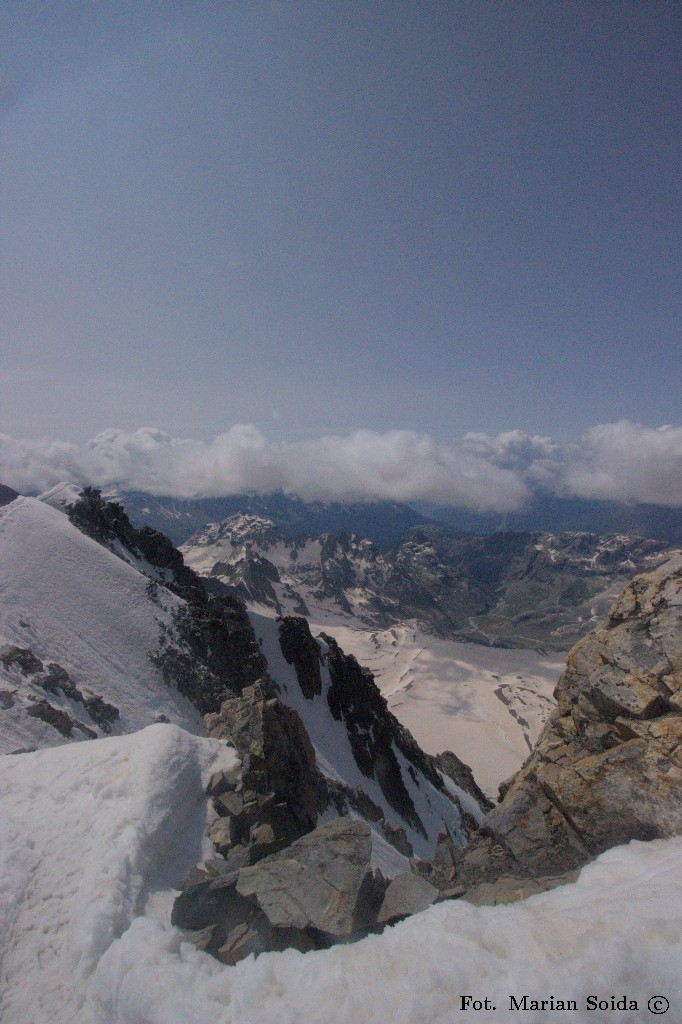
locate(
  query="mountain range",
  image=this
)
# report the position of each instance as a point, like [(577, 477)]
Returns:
[(508, 589)]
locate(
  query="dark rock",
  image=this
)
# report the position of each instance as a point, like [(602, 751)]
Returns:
[(462, 775), (278, 759), (300, 650), (397, 837), (7, 494), (24, 659), (7, 699), (220, 783), (375, 733), (59, 720), (214, 902), (102, 713), (229, 803)]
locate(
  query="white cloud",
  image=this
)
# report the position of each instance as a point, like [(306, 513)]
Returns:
[(626, 461), (399, 465), (622, 461)]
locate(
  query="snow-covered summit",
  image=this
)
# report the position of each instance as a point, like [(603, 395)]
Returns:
[(61, 495)]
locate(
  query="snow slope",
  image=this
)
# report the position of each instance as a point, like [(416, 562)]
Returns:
[(72, 602), (96, 834)]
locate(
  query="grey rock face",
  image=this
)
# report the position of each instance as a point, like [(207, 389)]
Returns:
[(278, 763), (608, 765), (317, 882), (508, 889)]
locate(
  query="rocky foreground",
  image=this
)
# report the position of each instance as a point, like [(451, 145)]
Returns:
[(607, 769)]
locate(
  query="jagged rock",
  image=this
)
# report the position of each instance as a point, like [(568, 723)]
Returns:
[(7, 494), (214, 902), (407, 894), (397, 837), (233, 860), (224, 834), (195, 876), (101, 712), (220, 783), (462, 775), (229, 803), (345, 798), (243, 940), (6, 699), (317, 882), (59, 720), (375, 734), (608, 765), (262, 842)]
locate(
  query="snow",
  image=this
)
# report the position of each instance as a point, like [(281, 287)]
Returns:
[(486, 704), (90, 831), (96, 834), (61, 495), (73, 602)]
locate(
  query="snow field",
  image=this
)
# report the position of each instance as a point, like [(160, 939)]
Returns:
[(487, 704), (616, 931)]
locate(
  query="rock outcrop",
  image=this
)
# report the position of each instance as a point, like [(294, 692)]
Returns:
[(608, 765), (277, 799)]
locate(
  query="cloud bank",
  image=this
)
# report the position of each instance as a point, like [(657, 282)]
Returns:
[(623, 461)]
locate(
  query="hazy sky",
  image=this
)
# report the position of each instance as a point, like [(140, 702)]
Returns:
[(318, 217)]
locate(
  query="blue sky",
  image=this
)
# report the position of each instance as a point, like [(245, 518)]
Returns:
[(320, 217)]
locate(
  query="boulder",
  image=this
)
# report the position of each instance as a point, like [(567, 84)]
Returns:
[(317, 882), (407, 894), (508, 889)]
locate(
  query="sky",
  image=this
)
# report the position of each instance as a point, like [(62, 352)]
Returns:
[(377, 229)]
